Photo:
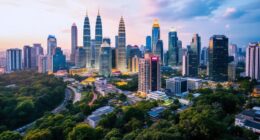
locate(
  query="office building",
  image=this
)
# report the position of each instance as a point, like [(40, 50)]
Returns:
[(155, 34), (74, 42), (148, 47), (134, 64), (132, 51), (121, 49), (196, 46), (253, 61), (232, 51), (149, 75), (176, 85), (13, 60), (96, 116), (232, 71), (173, 48), (157, 95), (113, 50), (87, 43), (159, 50), (105, 64), (38, 50), (42, 64), (58, 60), (190, 66), (98, 40), (194, 83), (80, 57), (180, 52), (204, 56), (218, 58), (116, 41), (51, 44), (27, 57)]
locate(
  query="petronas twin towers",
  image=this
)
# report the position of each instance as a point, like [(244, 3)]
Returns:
[(120, 52)]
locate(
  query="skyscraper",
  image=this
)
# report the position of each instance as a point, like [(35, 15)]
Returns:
[(134, 64), (87, 42), (42, 64), (132, 51), (113, 58), (121, 50), (98, 39), (74, 42), (38, 50), (196, 46), (149, 75), (159, 50), (218, 58), (105, 64), (148, 46), (27, 57), (204, 56), (180, 52), (190, 65), (80, 57), (116, 41), (173, 48), (58, 60), (13, 60), (51, 44), (253, 61), (232, 51), (191, 58), (155, 34)]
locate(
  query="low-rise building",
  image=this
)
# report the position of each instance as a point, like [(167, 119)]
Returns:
[(249, 119), (176, 85), (157, 95), (194, 83), (96, 116), (155, 112)]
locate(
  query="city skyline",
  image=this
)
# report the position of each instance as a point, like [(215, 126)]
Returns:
[(37, 20)]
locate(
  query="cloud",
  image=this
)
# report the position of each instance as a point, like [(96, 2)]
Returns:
[(184, 9), (233, 13)]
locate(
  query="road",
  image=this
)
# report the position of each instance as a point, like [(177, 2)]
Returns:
[(77, 95), (68, 96), (94, 98)]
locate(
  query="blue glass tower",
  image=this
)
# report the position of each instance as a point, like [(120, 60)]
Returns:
[(155, 34), (173, 59), (148, 47), (98, 39), (58, 60)]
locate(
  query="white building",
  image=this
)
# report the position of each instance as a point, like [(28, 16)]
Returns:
[(13, 60), (157, 95), (176, 85), (96, 116), (194, 83), (253, 61), (42, 64)]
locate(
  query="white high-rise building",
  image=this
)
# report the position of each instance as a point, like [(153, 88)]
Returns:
[(149, 75), (232, 51), (13, 60), (253, 61), (42, 64)]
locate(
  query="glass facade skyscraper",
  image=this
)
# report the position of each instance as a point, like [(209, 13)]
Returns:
[(87, 42), (155, 34), (105, 64), (98, 39), (159, 50), (218, 58), (173, 49), (148, 41), (13, 60), (58, 60)]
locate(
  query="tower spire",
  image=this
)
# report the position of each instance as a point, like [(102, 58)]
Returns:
[(98, 12), (86, 13)]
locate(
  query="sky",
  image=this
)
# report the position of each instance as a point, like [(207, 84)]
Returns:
[(24, 22)]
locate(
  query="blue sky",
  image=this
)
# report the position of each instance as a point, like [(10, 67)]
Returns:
[(28, 21)]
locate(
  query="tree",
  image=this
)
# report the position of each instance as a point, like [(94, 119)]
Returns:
[(113, 134), (39, 134), (82, 132), (10, 135)]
